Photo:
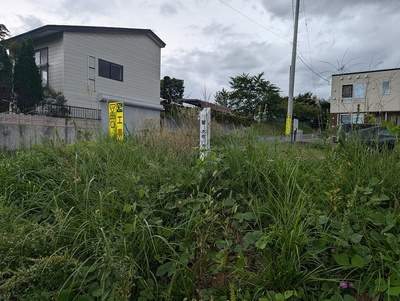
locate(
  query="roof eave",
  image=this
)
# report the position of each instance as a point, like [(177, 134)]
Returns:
[(48, 30)]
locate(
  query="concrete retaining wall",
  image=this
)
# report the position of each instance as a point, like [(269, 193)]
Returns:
[(23, 131)]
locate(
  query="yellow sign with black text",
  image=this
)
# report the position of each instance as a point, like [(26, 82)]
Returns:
[(116, 119)]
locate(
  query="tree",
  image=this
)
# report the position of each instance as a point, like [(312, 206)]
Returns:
[(307, 108), (3, 32), (251, 96), (51, 96), (171, 89), (5, 80), (27, 79), (325, 107), (5, 73), (222, 97)]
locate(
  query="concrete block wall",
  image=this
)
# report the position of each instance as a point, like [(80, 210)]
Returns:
[(18, 131)]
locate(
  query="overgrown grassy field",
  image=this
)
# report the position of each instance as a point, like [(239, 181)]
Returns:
[(145, 219)]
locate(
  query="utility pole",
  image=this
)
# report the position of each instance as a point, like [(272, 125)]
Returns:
[(289, 119)]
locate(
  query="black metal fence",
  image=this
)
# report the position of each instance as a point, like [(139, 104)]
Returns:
[(62, 111)]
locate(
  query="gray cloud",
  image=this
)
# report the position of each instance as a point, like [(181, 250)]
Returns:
[(225, 58), (84, 11), (168, 9), (332, 9), (213, 69), (215, 28), (28, 22)]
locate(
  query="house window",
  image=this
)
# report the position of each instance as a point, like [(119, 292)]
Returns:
[(352, 93), (395, 119), (110, 70), (352, 118), (42, 61), (359, 92), (347, 93), (386, 88)]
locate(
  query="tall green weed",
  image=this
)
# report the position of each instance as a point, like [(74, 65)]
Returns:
[(146, 219)]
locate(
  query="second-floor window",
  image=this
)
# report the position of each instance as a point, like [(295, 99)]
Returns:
[(386, 87), (42, 61), (111, 70), (351, 93), (347, 93)]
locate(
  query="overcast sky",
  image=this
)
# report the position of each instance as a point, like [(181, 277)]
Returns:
[(209, 41)]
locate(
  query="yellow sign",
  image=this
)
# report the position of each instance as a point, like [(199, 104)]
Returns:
[(116, 119), (288, 130), (120, 120), (112, 114)]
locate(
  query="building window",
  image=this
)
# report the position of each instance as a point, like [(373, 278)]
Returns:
[(359, 92), (352, 118), (42, 61), (352, 93), (386, 87), (347, 93), (395, 119), (111, 70)]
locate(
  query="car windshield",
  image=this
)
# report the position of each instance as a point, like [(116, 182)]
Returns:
[(384, 132)]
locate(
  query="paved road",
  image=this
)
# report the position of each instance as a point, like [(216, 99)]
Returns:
[(298, 138)]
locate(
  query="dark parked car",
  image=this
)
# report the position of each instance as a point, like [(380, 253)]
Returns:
[(377, 136), (346, 129)]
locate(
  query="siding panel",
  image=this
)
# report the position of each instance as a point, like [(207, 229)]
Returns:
[(139, 56)]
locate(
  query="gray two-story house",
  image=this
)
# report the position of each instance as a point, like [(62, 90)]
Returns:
[(93, 66)]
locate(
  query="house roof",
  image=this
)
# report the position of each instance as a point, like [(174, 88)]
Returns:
[(204, 104), (370, 71), (48, 30)]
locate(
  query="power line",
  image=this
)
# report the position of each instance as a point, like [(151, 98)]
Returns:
[(317, 74), (267, 29), (278, 35)]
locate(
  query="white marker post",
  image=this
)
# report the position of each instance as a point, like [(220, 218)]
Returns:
[(205, 131), (295, 129)]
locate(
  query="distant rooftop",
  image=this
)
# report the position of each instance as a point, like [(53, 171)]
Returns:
[(204, 104)]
